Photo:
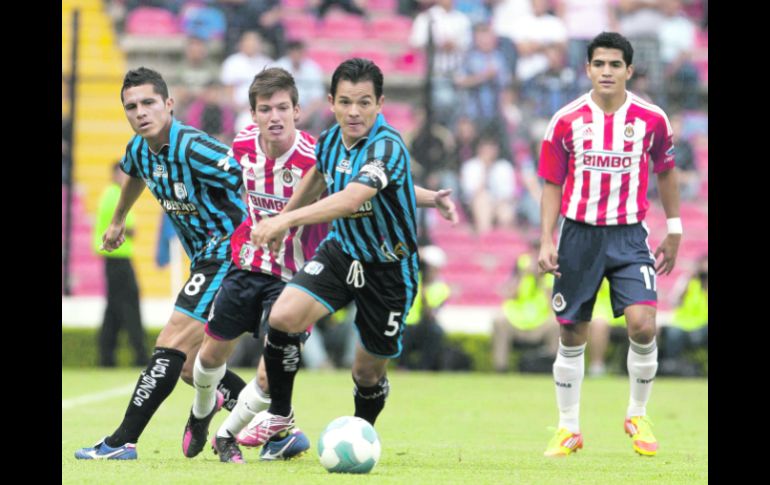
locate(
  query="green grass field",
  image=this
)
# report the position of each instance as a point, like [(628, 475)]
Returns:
[(435, 429)]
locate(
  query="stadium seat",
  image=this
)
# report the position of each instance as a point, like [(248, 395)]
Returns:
[(382, 6), (327, 59), (411, 62), (343, 26), (151, 21), (381, 58), (395, 28), (300, 26)]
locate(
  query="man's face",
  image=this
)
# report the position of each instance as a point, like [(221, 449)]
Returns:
[(146, 111), (275, 116), (608, 72), (355, 108)]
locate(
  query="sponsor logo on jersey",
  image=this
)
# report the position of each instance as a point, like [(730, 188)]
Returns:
[(177, 207), (267, 203), (180, 190), (159, 171), (607, 161), (558, 302), (364, 211), (344, 167), (313, 268)]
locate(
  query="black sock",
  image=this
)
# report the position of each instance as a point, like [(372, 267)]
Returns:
[(154, 385), (281, 363), (230, 386), (370, 400)]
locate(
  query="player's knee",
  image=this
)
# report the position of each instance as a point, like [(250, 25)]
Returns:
[(285, 319), (366, 376), (642, 330), (573, 335)]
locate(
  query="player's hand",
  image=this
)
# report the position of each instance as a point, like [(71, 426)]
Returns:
[(269, 232), (113, 238), (547, 260), (669, 249), (445, 205)]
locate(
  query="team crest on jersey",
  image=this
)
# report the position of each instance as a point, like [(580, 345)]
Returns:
[(558, 302), (287, 177), (160, 171), (344, 167), (180, 190), (246, 255), (313, 268), (629, 131)]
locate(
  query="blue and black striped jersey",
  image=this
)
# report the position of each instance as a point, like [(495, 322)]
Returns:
[(384, 229), (196, 183)]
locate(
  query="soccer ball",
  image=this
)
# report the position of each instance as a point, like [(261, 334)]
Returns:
[(349, 445)]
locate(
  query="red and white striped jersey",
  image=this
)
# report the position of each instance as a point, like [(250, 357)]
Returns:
[(602, 160), (269, 184)]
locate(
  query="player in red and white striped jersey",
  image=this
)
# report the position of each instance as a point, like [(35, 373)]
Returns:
[(274, 156), (595, 160)]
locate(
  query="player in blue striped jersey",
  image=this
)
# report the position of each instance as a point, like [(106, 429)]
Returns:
[(197, 184), (369, 257)]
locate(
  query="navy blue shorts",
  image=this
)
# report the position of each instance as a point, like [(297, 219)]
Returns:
[(589, 253), (382, 302), (197, 294), (242, 304)]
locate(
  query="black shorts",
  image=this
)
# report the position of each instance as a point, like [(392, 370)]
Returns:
[(383, 292), (242, 303), (197, 294), (589, 253)]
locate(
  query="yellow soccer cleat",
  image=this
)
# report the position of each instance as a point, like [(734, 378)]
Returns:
[(564, 443), (639, 428)]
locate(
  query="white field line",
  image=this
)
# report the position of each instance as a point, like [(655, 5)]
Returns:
[(96, 397)]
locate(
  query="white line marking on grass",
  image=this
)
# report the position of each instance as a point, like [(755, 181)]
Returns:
[(95, 397)]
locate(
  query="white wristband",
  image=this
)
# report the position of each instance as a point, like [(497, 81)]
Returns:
[(674, 225)]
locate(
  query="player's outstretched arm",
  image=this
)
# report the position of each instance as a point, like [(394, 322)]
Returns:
[(547, 261), (116, 232), (270, 231), (668, 186), (439, 199), (309, 189)]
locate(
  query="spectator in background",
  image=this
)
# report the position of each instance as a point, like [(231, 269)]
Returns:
[(210, 113), (196, 71), (638, 21), (239, 70), (452, 37), (466, 138), (583, 20), (262, 16), (483, 77), (689, 326), (640, 85), (532, 35), (122, 310), (309, 79), (488, 185), (529, 191), (676, 35), (321, 7), (689, 177), (423, 336), (548, 91), (201, 19), (525, 315), (506, 12)]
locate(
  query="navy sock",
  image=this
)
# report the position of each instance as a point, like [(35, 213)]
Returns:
[(281, 363), (153, 387), (370, 400)]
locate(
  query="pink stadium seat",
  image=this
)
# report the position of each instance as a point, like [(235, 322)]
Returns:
[(382, 59), (342, 26), (151, 21), (294, 4), (328, 59), (396, 28), (300, 26), (389, 6), (411, 62)]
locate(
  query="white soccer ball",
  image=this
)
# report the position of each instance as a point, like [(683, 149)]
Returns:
[(349, 445)]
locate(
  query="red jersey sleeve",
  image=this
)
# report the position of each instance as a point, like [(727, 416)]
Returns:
[(554, 158), (662, 148)]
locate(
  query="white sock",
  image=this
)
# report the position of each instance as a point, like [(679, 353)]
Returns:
[(642, 366), (568, 372), (251, 400), (205, 382)]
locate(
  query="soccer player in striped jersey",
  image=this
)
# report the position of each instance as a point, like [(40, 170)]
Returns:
[(595, 160), (198, 185), (274, 156), (370, 255)]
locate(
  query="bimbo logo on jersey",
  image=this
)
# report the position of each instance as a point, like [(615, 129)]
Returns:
[(608, 161), (266, 202)]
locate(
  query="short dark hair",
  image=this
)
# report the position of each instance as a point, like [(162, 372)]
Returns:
[(141, 76), (270, 81), (357, 70), (612, 40), (295, 45)]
